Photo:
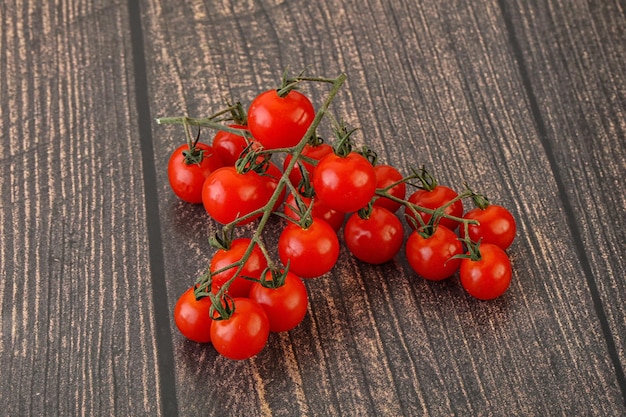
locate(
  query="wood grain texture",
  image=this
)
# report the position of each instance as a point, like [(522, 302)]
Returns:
[(436, 83), (76, 337), (579, 49)]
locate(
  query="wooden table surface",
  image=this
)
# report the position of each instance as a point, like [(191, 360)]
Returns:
[(525, 100)]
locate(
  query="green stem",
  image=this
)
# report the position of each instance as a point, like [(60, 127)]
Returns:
[(203, 122), (319, 79), (231, 109), (406, 203), (265, 252), (291, 83), (461, 196), (403, 180)]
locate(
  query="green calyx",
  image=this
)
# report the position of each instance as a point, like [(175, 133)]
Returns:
[(365, 212), (369, 154), (202, 287), (250, 160), (192, 155), (429, 229), (480, 200), (222, 239), (303, 211), (343, 141), (287, 84), (222, 308), (315, 140), (426, 180), (276, 279)]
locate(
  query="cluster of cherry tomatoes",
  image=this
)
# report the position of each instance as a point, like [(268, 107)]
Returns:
[(320, 189)]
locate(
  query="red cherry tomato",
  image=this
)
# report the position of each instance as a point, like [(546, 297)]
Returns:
[(490, 276), (285, 306), (186, 179), (280, 122), (272, 177), (376, 239), (312, 251), (345, 184), (320, 210), (228, 194), (229, 145), (244, 334), (385, 176), (192, 317), (497, 226), (434, 199), (252, 268), (316, 152), (431, 257)]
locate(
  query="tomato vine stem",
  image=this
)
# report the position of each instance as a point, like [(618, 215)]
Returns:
[(415, 209), (203, 122)]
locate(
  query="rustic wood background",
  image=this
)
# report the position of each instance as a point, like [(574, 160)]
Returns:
[(526, 100)]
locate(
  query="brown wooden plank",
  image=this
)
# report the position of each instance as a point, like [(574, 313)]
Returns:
[(436, 83), (77, 335), (584, 124)]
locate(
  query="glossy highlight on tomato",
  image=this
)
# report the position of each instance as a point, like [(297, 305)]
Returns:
[(280, 122)]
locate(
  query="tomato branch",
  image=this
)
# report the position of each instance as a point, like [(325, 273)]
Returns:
[(203, 122), (296, 151), (416, 208)]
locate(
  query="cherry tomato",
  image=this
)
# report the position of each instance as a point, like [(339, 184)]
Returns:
[(280, 122), (272, 177), (385, 176), (345, 184), (244, 334), (431, 257), (192, 317), (434, 199), (497, 226), (252, 268), (316, 152), (312, 251), (228, 194), (286, 305), (320, 210), (490, 276), (229, 145), (376, 239), (186, 179)]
